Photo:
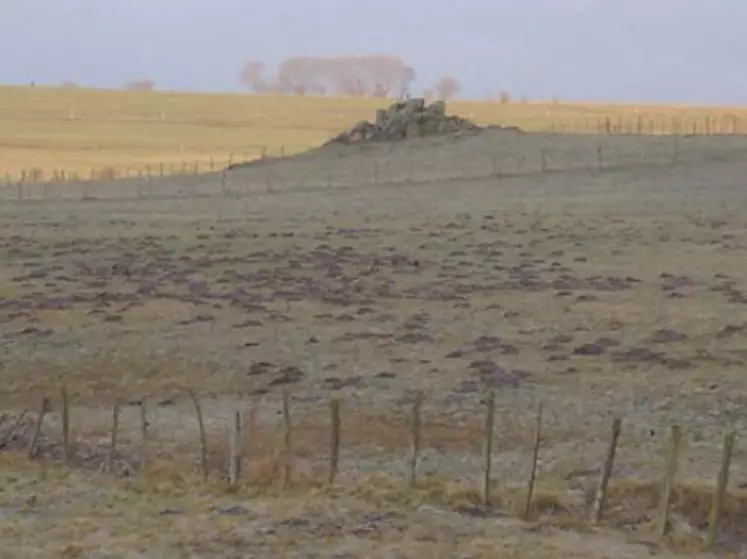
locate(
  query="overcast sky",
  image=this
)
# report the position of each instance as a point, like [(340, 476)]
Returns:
[(644, 50)]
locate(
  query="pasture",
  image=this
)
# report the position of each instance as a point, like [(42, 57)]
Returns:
[(79, 130), (448, 267)]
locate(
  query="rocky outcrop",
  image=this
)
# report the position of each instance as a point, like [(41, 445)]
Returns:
[(412, 118)]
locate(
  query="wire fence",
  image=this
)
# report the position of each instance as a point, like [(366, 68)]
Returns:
[(40, 174), (625, 143), (683, 125), (252, 454)]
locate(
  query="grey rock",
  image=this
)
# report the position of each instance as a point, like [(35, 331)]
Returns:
[(412, 118)]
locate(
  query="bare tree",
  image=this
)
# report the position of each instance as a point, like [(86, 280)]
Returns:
[(295, 75), (251, 76), (377, 75), (140, 85), (446, 88)]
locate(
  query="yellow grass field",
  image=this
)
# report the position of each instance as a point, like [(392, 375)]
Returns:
[(80, 130)]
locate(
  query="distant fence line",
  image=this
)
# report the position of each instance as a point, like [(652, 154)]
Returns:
[(706, 125), (509, 158), (195, 166), (727, 125)]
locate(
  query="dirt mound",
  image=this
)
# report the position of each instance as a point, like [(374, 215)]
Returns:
[(412, 118)]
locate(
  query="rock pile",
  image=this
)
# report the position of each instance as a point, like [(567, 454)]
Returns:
[(412, 118)]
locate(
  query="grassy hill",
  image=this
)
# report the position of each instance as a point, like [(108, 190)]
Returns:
[(77, 130)]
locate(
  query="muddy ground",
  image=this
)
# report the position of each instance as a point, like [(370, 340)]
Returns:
[(599, 293)]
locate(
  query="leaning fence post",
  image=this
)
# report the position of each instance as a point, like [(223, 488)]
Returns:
[(600, 499), (719, 496), (38, 428), (535, 459)]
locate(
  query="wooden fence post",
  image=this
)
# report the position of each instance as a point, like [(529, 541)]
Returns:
[(113, 440), (415, 439), (288, 437), (65, 427), (487, 445), (719, 496), (668, 482), (535, 459), (203, 437), (31, 451), (334, 440), (600, 499), (143, 435), (224, 181), (234, 466)]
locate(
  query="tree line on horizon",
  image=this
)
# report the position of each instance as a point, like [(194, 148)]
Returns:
[(372, 75)]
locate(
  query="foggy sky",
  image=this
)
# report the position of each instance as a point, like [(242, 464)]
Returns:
[(644, 50)]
